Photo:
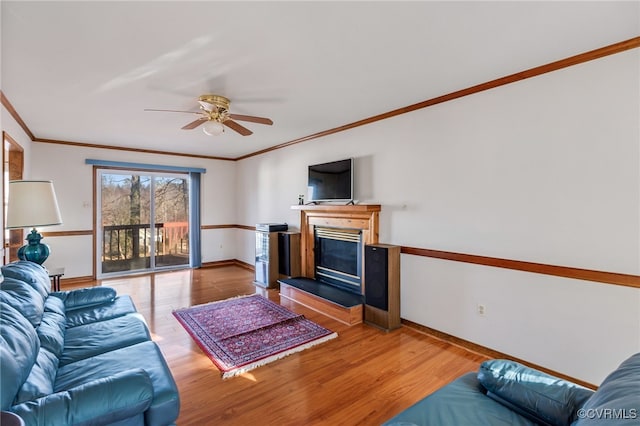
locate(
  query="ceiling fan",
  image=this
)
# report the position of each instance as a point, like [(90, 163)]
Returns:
[(214, 115)]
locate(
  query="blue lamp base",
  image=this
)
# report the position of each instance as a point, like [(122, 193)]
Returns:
[(34, 251)]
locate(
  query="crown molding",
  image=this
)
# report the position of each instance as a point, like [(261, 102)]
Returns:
[(123, 148), (5, 102)]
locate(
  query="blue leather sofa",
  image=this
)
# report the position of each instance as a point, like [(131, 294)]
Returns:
[(506, 393), (81, 357)]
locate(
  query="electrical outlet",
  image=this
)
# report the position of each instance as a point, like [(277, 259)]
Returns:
[(481, 309)]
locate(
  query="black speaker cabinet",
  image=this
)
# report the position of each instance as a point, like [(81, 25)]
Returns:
[(289, 254), (382, 285)]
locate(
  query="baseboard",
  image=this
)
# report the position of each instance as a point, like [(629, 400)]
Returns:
[(76, 280), (228, 262), (488, 352), (244, 265)]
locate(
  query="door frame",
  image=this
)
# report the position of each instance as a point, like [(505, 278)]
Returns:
[(13, 169)]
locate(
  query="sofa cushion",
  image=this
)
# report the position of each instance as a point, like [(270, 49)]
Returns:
[(539, 396), (617, 400), (24, 298), (40, 380), (461, 402), (93, 339), (19, 347), (33, 274)]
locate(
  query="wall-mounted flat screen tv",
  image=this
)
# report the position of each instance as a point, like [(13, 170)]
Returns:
[(331, 181)]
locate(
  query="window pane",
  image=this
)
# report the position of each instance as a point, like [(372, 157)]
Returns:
[(125, 212), (172, 221)]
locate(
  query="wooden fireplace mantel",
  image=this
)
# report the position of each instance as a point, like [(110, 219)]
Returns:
[(359, 216), (338, 207)]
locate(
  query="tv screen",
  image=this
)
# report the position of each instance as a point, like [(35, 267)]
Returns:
[(331, 181)]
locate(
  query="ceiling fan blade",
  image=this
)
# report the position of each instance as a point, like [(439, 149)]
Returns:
[(194, 124), (207, 106), (259, 120), (238, 128), (173, 110)]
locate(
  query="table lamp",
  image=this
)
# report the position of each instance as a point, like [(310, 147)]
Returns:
[(32, 203)]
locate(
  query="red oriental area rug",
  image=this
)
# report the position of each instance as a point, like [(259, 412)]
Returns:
[(244, 333)]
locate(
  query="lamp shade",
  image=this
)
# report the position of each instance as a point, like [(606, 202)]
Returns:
[(32, 203)]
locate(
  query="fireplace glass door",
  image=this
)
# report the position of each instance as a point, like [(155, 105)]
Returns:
[(338, 257)]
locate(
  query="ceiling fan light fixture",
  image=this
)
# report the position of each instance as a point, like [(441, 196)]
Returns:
[(213, 128)]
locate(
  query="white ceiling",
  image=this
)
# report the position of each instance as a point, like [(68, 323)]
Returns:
[(85, 71)]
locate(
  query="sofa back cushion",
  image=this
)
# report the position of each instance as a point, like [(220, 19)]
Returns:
[(33, 274), (19, 348), (86, 297), (23, 298), (40, 380), (121, 305), (53, 304), (617, 400), (51, 332)]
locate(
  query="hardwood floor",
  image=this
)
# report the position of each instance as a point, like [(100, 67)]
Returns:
[(363, 377)]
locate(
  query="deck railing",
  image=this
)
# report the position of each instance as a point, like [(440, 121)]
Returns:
[(126, 242)]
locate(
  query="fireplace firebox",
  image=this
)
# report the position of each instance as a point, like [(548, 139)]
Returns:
[(338, 257)]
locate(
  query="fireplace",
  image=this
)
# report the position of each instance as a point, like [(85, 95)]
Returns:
[(338, 257), (333, 238)]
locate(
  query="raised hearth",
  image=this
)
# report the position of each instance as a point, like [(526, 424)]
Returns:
[(341, 305)]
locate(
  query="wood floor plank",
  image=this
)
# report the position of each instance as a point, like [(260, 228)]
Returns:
[(363, 377)]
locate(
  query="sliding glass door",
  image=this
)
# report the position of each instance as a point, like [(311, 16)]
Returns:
[(143, 221)]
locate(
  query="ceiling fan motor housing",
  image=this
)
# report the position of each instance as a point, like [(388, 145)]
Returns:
[(219, 109)]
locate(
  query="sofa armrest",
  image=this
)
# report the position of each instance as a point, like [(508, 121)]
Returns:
[(541, 397), (99, 402), (74, 299)]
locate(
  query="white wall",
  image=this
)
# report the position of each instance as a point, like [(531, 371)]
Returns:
[(73, 180), (544, 170)]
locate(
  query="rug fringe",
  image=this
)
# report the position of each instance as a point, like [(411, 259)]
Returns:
[(252, 366)]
